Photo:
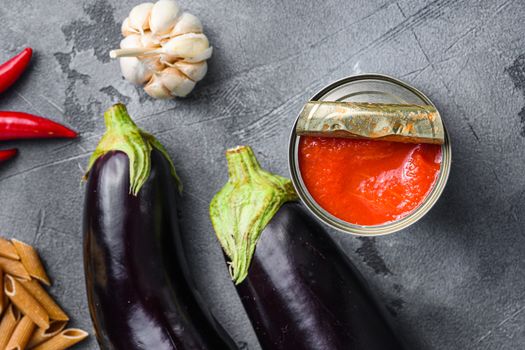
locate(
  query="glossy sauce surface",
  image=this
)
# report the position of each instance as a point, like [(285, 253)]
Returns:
[(368, 182)]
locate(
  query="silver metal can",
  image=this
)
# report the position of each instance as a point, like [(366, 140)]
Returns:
[(375, 88)]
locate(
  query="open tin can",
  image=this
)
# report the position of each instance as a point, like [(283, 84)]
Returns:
[(373, 88)]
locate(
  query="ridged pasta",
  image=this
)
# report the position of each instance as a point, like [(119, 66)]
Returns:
[(9, 320), (31, 261), (7, 249), (39, 293), (14, 267), (63, 340), (41, 335), (21, 335), (25, 302), (30, 317)]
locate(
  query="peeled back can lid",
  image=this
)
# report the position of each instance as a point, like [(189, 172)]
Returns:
[(369, 88)]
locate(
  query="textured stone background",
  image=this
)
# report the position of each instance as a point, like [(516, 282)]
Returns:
[(455, 280)]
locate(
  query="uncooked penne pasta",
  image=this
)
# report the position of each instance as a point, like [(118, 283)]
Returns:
[(25, 302), (31, 261), (21, 335), (41, 335), (14, 267), (53, 310), (7, 249), (7, 325), (63, 340)]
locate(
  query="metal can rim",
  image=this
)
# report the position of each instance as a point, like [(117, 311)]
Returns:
[(361, 230)]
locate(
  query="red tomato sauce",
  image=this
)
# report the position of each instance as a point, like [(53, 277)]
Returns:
[(367, 182)]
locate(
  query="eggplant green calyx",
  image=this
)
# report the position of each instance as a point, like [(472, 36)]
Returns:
[(243, 207), (122, 134)]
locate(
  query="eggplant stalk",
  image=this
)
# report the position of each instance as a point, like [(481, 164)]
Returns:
[(243, 207), (122, 134)]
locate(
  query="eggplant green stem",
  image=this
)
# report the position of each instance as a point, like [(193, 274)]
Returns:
[(241, 210), (122, 134)]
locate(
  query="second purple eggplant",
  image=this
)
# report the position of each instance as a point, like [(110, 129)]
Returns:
[(299, 289)]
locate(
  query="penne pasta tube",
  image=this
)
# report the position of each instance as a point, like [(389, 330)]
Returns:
[(63, 340), (14, 267), (25, 302), (7, 325), (39, 293), (7, 249), (41, 335), (21, 335), (31, 261)]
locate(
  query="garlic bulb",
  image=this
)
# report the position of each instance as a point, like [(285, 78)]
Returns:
[(163, 49)]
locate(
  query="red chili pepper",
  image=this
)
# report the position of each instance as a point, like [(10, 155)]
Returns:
[(7, 154), (19, 125), (11, 70)]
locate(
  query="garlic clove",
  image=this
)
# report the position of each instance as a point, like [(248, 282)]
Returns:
[(194, 71), (148, 39), (156, 89), (206, 54), (163, 16), (187, 23), (126, 28), (186, 45), (154, 64), (131, 41), (167, 59), (139, 16), (177, 83), (135, 70)]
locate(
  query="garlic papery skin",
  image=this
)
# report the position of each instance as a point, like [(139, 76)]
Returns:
[(149, 40), (134, 70), (163, 17), (186, 45), (164, 49), (139, 16), (194, 71), (187, 23)]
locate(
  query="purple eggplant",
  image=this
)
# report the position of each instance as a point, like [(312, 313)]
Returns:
[(139, 290), (299, 289)]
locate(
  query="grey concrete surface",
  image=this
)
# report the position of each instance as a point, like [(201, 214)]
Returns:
[(455, 280)]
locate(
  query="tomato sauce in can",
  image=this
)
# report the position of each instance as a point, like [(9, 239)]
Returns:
[(368, 187), (368, 182)]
